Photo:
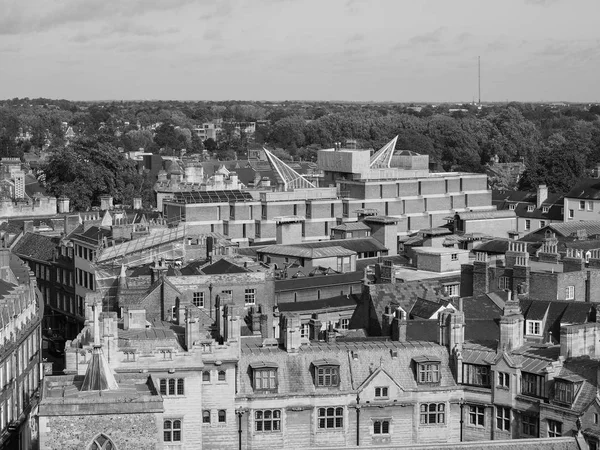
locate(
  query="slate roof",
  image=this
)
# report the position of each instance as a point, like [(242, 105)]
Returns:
[(583, 371), (587, 188), (37, 246), (485, 306), (295, 374), (524, 200), (500, 246), (557, 312), (298, 251), (425, 308), (222, 266), (485, 215), (358, 245), (531, 358), (351, 226), (480, 331), (340, 301), (313, 282), (568, 229)]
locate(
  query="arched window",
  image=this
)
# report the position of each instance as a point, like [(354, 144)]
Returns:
[(206, 375), (221, 375), (102, 442)]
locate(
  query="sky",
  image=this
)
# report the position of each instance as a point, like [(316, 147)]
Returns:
[(352, 50)]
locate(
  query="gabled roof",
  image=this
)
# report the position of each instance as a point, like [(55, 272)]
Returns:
[(358, 245), (297, 251), (222, 266), (485, 215), (314, 282), (351, 226)]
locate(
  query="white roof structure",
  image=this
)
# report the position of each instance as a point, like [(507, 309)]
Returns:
[(383, 157), (291, 179)]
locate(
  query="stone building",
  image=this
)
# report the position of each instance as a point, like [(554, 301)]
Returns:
[(20, 355)]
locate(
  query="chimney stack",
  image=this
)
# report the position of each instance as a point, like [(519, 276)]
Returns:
[(542, 194), (292, 333)]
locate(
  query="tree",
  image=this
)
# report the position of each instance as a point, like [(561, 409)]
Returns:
[(88, 169)]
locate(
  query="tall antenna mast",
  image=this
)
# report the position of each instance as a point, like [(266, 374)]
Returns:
[(479, 77)]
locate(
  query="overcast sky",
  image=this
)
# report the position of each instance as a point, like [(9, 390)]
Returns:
[(380, 50)]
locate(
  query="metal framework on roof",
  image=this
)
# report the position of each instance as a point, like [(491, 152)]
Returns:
[(383, 157), (291, 179), (221, 196)]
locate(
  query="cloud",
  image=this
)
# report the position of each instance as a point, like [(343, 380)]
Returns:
[(541, 2), (47, 15), (224, 10), (357, 37), (213, 35), (433, 37)]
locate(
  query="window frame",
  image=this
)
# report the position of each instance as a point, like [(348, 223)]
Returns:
[(327, 375), (581, 205), (274, 420), (381, 427), (564, 392), (222, 416), (428, 372), (570, 292), (531, 380), (530, 424), (554, 428), (171, 430), (259, 379), (533, 328), (527, 224), (198, 299), (330, 418), (530, 208), (571, 213), (206, 415), (476, 375), (503, 418), (170, 387), (503, 380), (432, 413), (249, 296), (382, 392), (477, 415), (504, 282)]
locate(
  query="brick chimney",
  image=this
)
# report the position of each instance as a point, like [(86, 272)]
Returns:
[(511, 325), (573, 261), (452, 329), (315, 328), (481, 274), (192, 330), (232, 323), (386, 322)]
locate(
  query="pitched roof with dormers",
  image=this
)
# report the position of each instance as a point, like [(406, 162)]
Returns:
[(357, 361)]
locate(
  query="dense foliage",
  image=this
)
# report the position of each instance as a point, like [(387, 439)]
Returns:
[(558, 143)]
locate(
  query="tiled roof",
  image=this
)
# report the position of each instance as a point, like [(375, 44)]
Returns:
[(36, 246), (485, 306), (592, 227), (585, 371), (557, 312), (523, 201), (295, 374)]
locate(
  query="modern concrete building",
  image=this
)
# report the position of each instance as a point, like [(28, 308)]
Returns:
[(389, 183)]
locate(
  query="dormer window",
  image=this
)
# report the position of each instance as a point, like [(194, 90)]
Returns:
[(327, 373), (545, 209), (564, 391), (530, 208), (264, 376), (512, 206), (428, 370), (534, 327)]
